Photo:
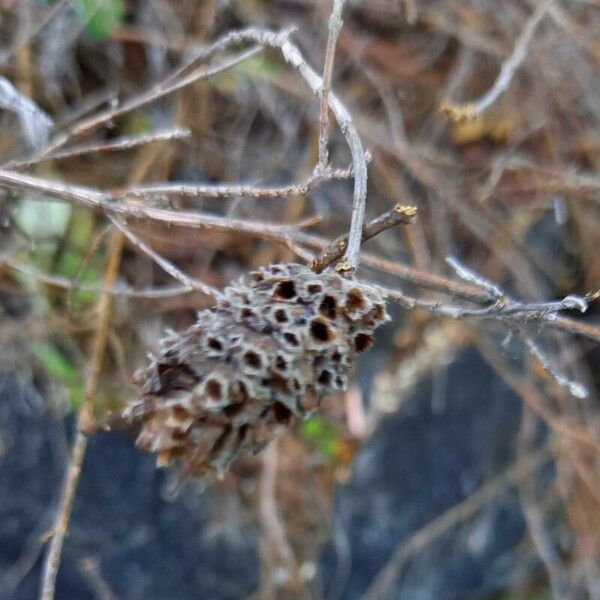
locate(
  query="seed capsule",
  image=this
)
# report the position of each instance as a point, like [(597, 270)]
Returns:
[(272, 347)]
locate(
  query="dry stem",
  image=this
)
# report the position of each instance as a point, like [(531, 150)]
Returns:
[(189, 282), (470, 110), (84, 416), (275, 541), (335, 250), (335, 26)]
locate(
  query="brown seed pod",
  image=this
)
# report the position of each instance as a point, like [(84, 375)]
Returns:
[(272, 347)]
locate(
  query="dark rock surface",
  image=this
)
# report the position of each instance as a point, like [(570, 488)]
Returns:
[(419, 463), (147, 546)]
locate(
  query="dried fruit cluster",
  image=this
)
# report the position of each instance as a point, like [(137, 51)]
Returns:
[(274, 344)]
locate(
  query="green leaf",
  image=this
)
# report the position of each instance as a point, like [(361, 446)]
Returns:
[(42, 218), (323, 435), (101, 17), (59, 367), (81, 228), (54, 362), (136, 123)]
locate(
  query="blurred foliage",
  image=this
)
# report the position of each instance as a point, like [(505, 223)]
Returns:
[(60, 368), (42, 218), (59, 237), (136, 123), (101, 17), (73, 261), (323, 435)]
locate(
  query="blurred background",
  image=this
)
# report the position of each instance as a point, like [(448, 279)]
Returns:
[(458, 465)]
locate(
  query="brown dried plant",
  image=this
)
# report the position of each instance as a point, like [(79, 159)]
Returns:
[(273, 344)]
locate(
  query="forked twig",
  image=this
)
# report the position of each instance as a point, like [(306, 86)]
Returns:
[(293, 57), (104, 201), (174, 82), (335, 250), (160, 90), (290, 236), (510, 307)]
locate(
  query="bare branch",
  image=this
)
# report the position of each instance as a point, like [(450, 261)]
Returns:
[(85, 414), (335, 26), (160, 90), (104, 201), (293, 57), (164, 264), (117, 144), (225, 190), (68, 284), (335, 250), (540, 312), (510, 311)]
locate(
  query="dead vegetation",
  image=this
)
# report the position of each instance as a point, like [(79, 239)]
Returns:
[(151, 143)]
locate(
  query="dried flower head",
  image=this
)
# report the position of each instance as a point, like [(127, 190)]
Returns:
[(271, 348)]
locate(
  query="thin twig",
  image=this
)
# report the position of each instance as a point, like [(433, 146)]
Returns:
[(85, 415), (86, 411), (576, 389), (512, 313), (536, 401), (335, 250), (277, 545), (90, 569), (468, 111), (163, 263), (155, 93), (469, 276), (293, 57), (71, 285), (224, 190), (335, 26), (117, 144), (104, 201)]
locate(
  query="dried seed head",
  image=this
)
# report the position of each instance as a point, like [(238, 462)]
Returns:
[(277, 342)]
